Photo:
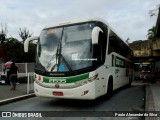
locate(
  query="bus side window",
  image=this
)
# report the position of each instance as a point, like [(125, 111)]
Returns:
[(102, 41), (111, 46)]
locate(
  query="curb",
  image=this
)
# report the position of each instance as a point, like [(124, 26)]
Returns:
[(10, 100), (149, 103), (146, 100)]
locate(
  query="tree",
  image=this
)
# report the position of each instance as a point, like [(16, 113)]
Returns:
[(127, 41), (3, 33), (154, 12), (14, 49), (151, 33), (24, 33), (1, 52)]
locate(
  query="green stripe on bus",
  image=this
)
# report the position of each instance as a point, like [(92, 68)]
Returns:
[(66, 79)]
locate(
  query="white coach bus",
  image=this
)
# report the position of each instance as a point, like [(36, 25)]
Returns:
[(81, 59)]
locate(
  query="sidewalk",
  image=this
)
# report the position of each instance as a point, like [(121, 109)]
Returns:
[(6, 93), (153, 99), (8, 96)]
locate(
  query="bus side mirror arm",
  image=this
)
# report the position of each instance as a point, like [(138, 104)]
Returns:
[(26, 42), (95, 35)]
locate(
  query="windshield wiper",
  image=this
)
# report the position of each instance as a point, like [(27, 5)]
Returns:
[(68, 66), (61, 56), (57, 57), (52, 63)]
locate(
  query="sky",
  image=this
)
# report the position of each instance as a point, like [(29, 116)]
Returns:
[(129, 18)]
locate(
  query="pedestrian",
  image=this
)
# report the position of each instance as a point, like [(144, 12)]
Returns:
[(7, 70), (13, 75)]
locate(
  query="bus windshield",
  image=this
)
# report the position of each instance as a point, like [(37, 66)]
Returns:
[(66, 48)]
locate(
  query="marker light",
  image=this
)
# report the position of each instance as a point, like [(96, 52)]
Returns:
[(39, 77)]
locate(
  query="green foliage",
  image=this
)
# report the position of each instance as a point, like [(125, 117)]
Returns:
[(11, 48), (2, 38), (152, 33), (3, 33), (14, 49), (24, 34), (30, 56)]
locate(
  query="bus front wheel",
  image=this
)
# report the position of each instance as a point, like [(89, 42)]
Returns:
[(109, 88), (130, 82)]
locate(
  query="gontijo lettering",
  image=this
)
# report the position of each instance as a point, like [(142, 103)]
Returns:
[(57, 80)]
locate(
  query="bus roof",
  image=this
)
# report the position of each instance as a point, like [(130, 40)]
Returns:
[(76, 21)]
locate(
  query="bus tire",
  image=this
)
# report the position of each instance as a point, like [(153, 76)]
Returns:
[(110, 88)]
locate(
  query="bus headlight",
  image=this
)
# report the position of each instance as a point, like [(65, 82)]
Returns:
[(85, 81)]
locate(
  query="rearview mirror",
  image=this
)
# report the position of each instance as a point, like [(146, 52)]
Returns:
[(26, 42), (95, 34)]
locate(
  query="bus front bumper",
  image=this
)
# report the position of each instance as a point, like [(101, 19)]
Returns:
[(86, 91)]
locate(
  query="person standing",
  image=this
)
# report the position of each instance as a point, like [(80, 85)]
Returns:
[(7, 71), (13, 75)]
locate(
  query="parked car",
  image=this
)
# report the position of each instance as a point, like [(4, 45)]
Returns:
[(3, 78), (145, 75), (148, 76)]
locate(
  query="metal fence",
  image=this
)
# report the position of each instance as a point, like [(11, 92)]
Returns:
[(1, 67), (30, 82), (25, 75), (23, 68)]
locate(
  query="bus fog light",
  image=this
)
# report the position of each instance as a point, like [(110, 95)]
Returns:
[(36, 90), (90, 80), (84, 92)]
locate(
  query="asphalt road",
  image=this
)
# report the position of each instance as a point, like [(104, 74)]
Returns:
[(126, 99)]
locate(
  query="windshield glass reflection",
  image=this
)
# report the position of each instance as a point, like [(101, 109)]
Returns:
[(65, 49)]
